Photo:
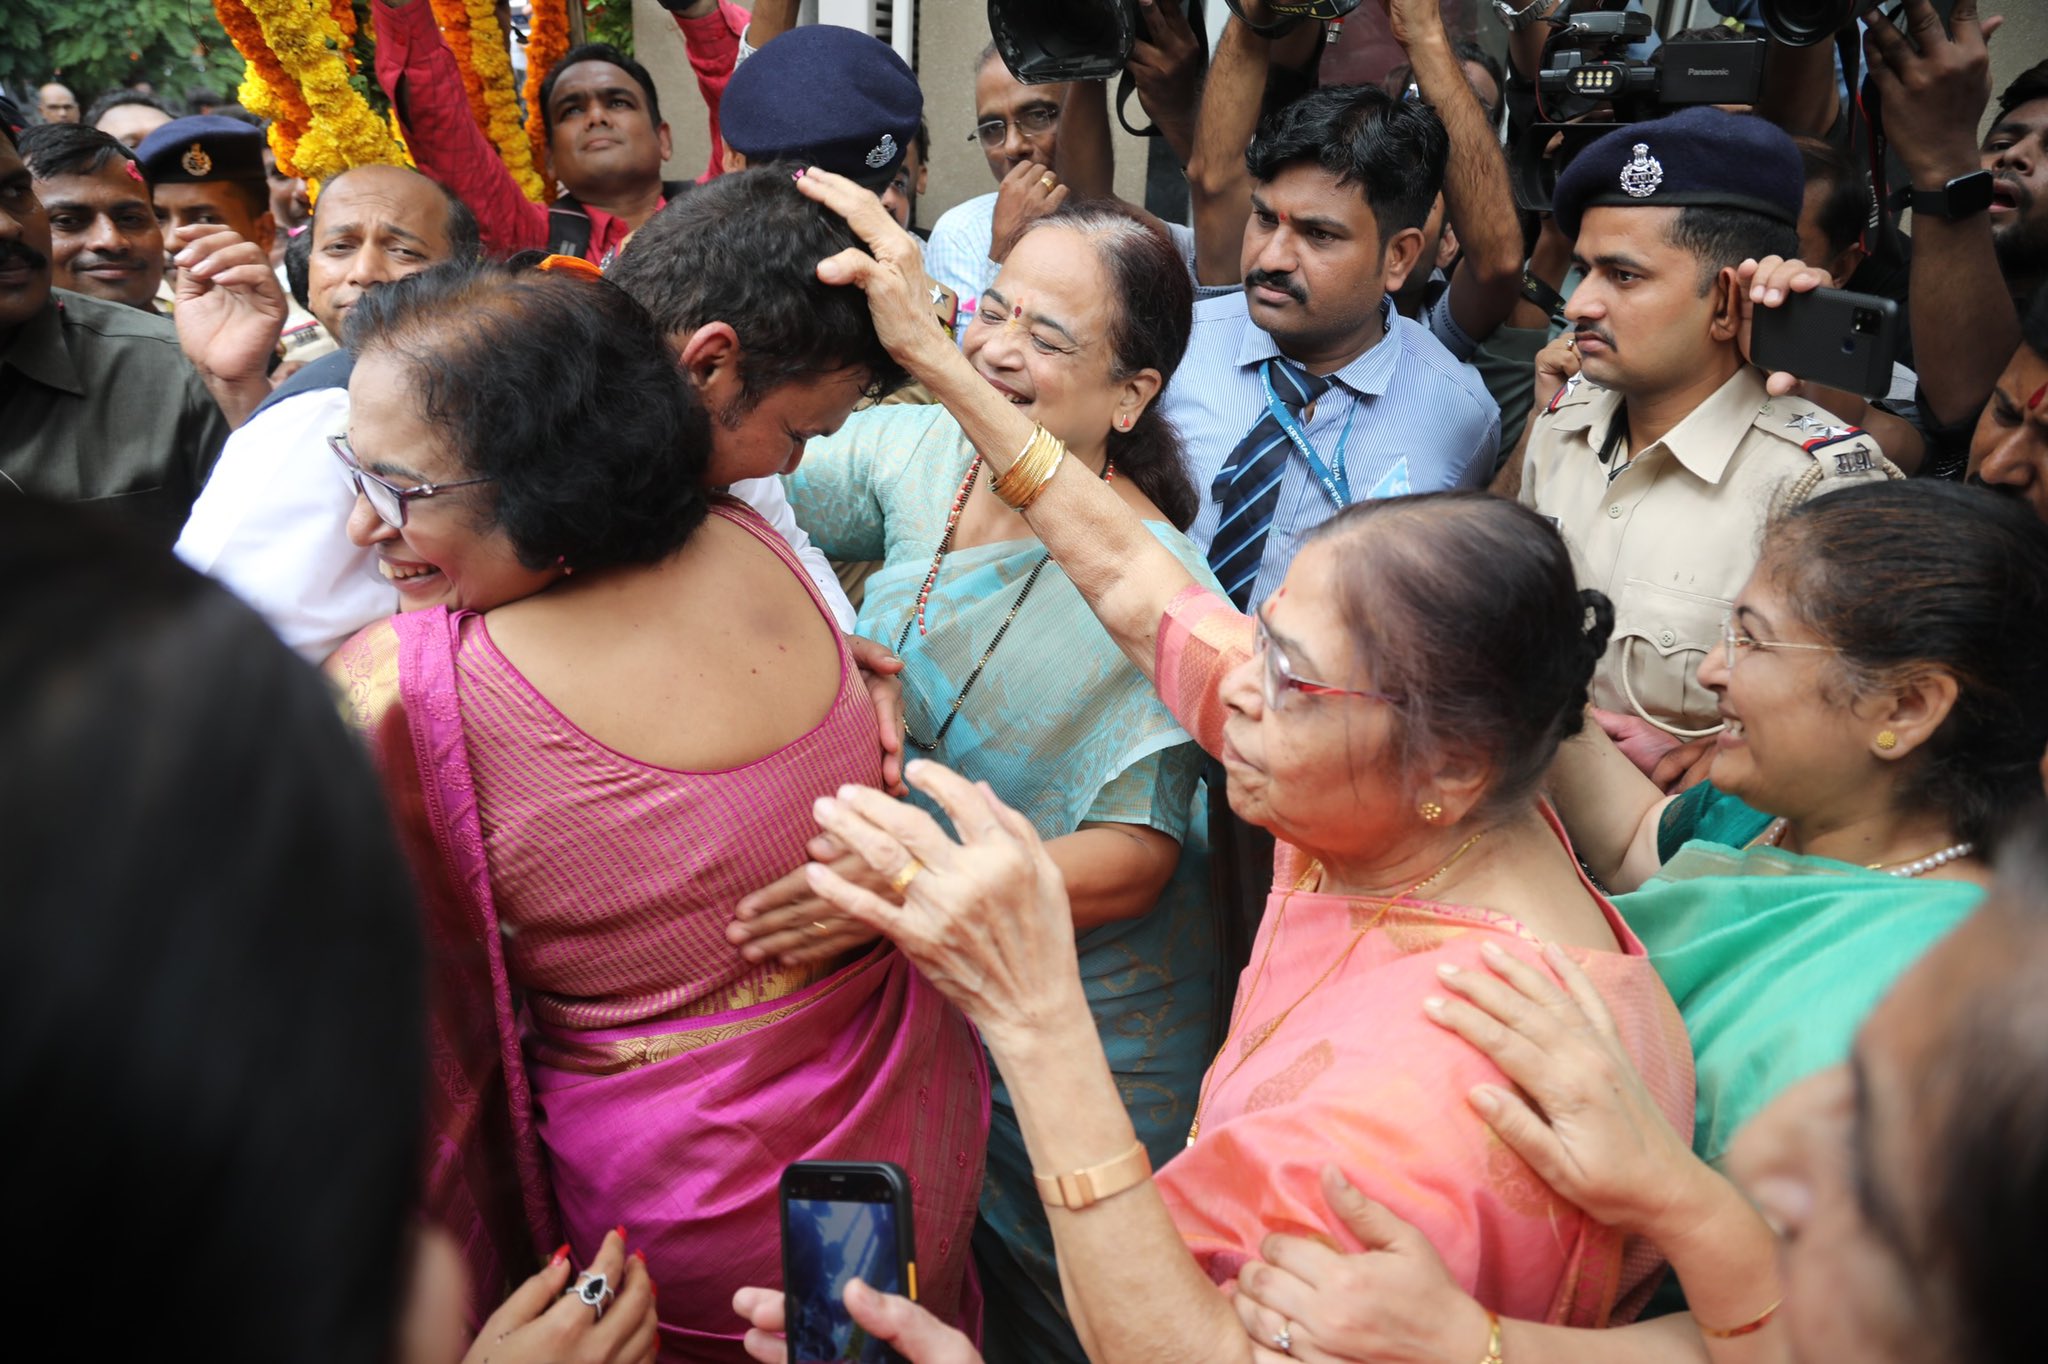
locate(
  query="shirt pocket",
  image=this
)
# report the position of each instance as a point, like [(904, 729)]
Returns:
[(1661, 635)]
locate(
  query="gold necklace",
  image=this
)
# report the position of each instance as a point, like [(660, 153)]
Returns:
[(1358, 936)]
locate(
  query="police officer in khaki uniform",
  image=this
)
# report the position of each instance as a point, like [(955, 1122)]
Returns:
[(1662, 459)]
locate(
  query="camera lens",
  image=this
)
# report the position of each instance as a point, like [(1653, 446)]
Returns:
[(1802, 23), (1865, 321)]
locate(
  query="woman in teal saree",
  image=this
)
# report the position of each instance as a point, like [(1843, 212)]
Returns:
[(1009, 679), (1883, 679)]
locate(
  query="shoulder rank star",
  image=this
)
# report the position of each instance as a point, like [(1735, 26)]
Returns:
[(938, 294), (1801, 421), (1641, 176)]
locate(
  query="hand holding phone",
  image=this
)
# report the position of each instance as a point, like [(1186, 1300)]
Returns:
[(841, 1221), (1797, 329)]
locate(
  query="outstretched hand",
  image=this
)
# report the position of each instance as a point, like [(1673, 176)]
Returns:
[(229, 314), (1393, 1303), (1579, 1114), (904, 301), (985, 916)]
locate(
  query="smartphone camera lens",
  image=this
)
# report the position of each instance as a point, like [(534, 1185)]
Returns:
[(1864, 321)]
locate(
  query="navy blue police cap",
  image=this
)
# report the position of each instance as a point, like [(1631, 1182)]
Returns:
[(828, 96), (1700, 156), (202, 147)]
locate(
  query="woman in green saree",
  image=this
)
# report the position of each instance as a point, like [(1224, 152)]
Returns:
[(1009, 679), (1884, 686)]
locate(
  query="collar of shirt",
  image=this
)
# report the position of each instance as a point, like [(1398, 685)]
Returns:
[(1703, 441), (1369, 374), (41, 351)]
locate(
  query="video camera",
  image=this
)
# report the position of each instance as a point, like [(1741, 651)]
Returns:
[(1588, 85)]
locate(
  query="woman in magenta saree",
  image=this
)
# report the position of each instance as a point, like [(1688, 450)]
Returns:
[(581, 776)]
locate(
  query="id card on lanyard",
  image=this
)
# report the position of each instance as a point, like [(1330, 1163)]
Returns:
[(1336, 484)]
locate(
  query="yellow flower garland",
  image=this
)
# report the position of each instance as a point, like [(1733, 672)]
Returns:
[(493, 65), (308, 47), (546, 41)]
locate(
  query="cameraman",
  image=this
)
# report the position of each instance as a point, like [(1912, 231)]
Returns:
[(1663, 455)]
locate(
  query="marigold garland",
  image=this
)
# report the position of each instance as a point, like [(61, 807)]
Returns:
[(303, 71), (452, 17), (470, 28), (546, 42)]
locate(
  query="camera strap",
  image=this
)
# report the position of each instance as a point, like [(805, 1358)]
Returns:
[(1125, 88), (1865, 110)]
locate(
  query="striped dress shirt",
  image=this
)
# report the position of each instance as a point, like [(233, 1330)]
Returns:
[(1423, 422)]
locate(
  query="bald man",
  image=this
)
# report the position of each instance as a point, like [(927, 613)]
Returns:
[(56, 104)]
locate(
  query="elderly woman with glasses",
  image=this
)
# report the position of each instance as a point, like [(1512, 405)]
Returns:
[(1388, 718), (1882, 676), (602, 720)]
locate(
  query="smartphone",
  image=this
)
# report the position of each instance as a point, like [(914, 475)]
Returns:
[(842, 1220), (1830, 337)]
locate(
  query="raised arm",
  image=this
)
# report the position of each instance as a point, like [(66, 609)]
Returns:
[(1934, 87), (1219, 185), (1610, 809), (1083, 157), (420, 77), (1478, 201), (1122, 570), (1166, 68), (712, 32)]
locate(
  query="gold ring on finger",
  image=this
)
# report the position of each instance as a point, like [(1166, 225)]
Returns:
[(905, 874), (1048, 181), (819, 925)]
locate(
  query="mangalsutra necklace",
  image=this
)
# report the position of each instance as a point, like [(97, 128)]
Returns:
[(1265, 1036), (924, 594)]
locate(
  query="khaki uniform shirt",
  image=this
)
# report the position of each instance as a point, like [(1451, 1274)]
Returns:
[(97, 404), (1672, 535)]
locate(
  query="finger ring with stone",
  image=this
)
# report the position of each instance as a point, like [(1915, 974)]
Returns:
[(594, 1291), (1284, 1341), (905, 874), (1048, 181)]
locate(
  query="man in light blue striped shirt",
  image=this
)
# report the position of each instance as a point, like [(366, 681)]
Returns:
[(1341, 182)]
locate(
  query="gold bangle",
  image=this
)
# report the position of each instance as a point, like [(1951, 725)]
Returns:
[(1492, 1338), (1750, 1327), (1083, 1188), (1021, 484)]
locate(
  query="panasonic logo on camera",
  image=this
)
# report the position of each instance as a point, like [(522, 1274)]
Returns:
[(1710, 71)]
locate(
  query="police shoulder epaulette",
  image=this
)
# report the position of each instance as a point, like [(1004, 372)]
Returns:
[(1568, 393)]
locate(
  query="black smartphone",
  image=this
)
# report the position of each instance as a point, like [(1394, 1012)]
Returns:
[(1830, 337), (842, 1220)]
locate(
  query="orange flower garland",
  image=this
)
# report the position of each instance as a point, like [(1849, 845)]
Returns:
[(298, 78), (478, 46), (344, 12), (545, 44), (452, 16)]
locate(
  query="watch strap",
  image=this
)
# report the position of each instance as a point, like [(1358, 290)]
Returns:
[(1542, 295), (1960, 198), (1083, 1188)]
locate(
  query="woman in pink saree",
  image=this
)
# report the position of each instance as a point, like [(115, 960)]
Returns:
[(1388, 714), (603, 720)]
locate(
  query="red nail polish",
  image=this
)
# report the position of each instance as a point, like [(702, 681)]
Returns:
[(621, 1230), (561, 1254), (641, 1256)]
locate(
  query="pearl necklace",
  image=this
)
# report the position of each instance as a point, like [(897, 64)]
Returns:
[(1919, 866)]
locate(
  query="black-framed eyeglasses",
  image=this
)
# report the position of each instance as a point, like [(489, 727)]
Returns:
[(1278, 678), (386, 498), (990, 132)]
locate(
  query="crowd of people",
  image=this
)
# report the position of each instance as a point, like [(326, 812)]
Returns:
[(1358, 777)]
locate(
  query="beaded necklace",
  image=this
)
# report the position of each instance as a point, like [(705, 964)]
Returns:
[(1917, 866), (924, 595)]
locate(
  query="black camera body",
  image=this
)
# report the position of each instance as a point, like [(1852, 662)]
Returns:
[(1588, 86), (1045, 42)]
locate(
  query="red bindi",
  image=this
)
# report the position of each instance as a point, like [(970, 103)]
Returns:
[(2039, 394)]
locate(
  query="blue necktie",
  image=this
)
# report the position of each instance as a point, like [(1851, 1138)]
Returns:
[(1247, 487)]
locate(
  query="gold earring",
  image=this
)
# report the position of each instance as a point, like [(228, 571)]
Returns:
[(1431, 812), (1887, 741)]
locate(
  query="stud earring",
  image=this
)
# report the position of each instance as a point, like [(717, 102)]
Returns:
[(1887, 741), (1123, 423), (1430, 811)]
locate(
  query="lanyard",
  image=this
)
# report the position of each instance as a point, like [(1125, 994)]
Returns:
[(1336, 483)]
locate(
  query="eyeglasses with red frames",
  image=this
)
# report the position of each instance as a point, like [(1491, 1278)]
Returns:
[(1279, 678), (386, 498)]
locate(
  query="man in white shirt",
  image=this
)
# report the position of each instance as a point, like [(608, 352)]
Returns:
[(271, 521)]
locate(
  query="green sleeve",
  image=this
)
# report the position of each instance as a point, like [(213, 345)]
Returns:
[(1157, 792), (842, 489), (1709, 813)]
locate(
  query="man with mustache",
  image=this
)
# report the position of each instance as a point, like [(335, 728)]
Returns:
[(96, 402), (104, 237), (1305, 390), (1662, 457)]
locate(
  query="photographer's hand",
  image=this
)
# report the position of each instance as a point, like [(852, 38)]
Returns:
[(1933, 86), (1166, 68)]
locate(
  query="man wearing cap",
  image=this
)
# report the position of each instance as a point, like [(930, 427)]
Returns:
[(606, 137), (1662, 458), (96, 403), (103, 231)]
